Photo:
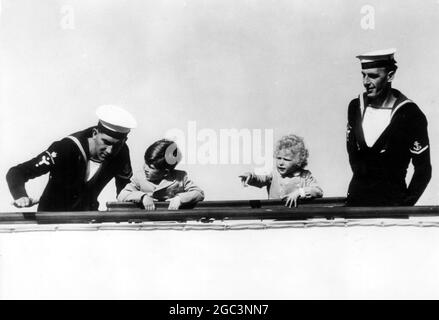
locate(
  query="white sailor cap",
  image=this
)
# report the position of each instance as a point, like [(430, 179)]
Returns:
[(378, 58), (115, 121)]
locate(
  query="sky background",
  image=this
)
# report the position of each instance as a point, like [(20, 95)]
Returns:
[(288, 66)]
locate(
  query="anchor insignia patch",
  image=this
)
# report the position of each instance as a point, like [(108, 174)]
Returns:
[(418, 148), (47, 159)]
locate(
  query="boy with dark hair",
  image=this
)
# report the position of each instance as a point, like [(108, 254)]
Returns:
[(160, 181)]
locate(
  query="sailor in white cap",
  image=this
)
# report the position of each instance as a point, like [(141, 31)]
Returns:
[(80, 165), (385, 131)]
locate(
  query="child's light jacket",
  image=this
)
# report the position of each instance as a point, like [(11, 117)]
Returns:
[(279, 187), (175, 183)]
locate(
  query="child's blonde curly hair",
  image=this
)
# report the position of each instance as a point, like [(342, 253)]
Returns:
[(297, 147)]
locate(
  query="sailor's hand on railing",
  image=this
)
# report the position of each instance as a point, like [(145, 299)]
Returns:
[(291, 199), (174, 203), (148, 203), (24, 202), (245, 178)]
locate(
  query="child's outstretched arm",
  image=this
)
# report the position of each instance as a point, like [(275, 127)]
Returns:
[(255, 180)]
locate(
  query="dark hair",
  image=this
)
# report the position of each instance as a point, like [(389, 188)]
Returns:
[(163, 154), (391, 66)]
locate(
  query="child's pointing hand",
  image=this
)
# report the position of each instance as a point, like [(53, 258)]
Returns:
[(245, 178)]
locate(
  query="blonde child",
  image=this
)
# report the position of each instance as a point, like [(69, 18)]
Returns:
[(290, 181)]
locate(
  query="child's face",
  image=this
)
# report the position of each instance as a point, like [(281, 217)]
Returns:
[(286, 162), (154, 174)]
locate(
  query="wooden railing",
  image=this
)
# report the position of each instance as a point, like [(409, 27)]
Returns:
[(326, 208)]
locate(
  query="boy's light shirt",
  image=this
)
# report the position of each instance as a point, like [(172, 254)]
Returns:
[(175, 184)]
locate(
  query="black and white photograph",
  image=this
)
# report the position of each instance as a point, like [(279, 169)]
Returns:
[(219, 150)]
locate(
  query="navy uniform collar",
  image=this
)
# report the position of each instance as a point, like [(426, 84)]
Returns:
[(396, 93), (83, 136)]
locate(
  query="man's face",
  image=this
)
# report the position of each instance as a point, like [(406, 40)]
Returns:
[(376, 81), (105, 146)]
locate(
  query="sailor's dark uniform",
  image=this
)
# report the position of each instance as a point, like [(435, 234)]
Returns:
[(67, 188), (379, 171)]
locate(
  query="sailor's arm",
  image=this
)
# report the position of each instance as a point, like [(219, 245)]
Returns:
[(351, 141), (125, 172), (121, 181), (18, 175), (420, 151)]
